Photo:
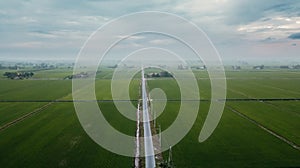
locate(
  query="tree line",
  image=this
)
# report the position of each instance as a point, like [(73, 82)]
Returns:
[(18, 75)]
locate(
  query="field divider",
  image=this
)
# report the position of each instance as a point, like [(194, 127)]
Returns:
[(11, 123), (292, 144), (65, 101), (169, 100)]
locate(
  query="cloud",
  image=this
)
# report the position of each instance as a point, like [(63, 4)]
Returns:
[(244, 12), (295, 36), (131, 37), (235, 12), (201, 7), (162, 41), (275, 26), (229, 24)]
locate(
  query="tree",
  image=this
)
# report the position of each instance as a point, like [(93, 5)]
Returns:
[(19, 75)]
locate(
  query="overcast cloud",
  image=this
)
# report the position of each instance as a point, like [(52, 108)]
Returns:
[(240, 29)]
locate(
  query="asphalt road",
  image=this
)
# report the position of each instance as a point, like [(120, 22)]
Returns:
[(149, 151)]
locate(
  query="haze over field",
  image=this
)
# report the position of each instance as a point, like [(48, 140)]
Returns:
[(264, 31), (144, 84)]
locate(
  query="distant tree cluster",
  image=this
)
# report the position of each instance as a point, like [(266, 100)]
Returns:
[(14, 67), (284, 67), (76, 76), (18, 66), (161, 74), (44, 66), (18, 75), (113, 67)]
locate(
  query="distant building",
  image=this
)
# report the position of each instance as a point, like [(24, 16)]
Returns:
[(182, 67), (199, 67), (259, 67), (203, 67), (236, 67), (296, 67)]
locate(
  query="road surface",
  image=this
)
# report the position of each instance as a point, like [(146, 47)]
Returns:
[(150, 160)]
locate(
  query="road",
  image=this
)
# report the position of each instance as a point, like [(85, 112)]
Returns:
[(150, 160)]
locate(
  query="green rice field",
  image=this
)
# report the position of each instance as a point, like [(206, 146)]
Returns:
[(53, 137)]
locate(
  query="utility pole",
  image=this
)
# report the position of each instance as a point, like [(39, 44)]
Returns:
[(159, 133), (154, 117), (170, 159)]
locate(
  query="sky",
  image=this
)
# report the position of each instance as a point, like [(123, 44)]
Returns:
[(261, 30)]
